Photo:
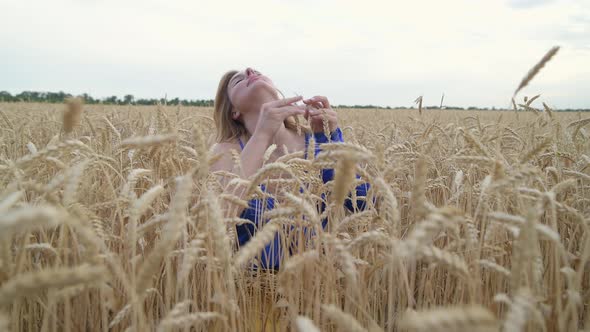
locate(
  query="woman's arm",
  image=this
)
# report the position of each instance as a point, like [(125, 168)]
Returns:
[(270, 256), (252, 155), (272, 116), (250, 159)]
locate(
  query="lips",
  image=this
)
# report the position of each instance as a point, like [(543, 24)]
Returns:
[(252, 79)]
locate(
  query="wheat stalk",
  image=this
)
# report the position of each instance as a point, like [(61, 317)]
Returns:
[(343, 320), (536, 68), (256, 244), (72, 114), (144, 141), (305, 324), (34, 283), (463, 318)]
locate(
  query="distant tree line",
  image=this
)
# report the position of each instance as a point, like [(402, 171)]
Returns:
[(369, 106), (59, 97)]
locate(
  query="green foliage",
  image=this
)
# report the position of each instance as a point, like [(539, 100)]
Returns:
[(59, 97)]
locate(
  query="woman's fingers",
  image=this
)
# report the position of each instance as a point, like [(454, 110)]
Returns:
[(288, 111), (291, 107), (320, 117), (317, 111), (319, 99), (315, 104), (320, 112), (286, 101)]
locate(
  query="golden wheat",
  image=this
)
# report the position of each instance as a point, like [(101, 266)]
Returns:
[(475, 220)]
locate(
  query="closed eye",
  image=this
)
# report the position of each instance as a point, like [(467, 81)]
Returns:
[(238, 79)]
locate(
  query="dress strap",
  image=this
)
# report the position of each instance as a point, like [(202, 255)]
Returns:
[(241, 144), (306, 144)]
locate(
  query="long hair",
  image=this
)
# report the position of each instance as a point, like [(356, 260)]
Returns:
[(229, 129)]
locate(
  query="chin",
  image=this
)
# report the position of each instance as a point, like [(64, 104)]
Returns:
[(261, 85), (260, 82)]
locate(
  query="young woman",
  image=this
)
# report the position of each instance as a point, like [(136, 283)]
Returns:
[(250, 116)]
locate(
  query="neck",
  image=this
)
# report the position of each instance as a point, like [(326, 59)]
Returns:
[(251, 116)]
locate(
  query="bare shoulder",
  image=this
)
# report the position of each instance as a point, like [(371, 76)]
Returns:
[(225, 161), (224, 147)]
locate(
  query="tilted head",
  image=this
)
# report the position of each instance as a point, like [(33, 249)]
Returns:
[(240, 92)]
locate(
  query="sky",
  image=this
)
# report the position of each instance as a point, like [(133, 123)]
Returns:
[(380, 52)]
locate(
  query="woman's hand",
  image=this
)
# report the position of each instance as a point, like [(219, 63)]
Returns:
[(274, 113), (314, 115)]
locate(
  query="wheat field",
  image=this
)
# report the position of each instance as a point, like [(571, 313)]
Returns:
[(110, 220)]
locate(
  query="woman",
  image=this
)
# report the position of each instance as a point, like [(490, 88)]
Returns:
[(250, 116)]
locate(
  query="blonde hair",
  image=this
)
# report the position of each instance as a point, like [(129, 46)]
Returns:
[(229, 129)]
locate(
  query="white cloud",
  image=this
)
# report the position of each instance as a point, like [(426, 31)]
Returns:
[(354, 52)]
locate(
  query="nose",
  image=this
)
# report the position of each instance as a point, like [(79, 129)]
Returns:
[(249, 71)]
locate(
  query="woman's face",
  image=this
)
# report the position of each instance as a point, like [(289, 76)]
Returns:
[(247, 87)]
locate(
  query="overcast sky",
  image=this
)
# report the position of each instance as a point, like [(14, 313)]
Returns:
[(352, 51)]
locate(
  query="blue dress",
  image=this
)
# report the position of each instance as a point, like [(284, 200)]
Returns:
[(272, 253)]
